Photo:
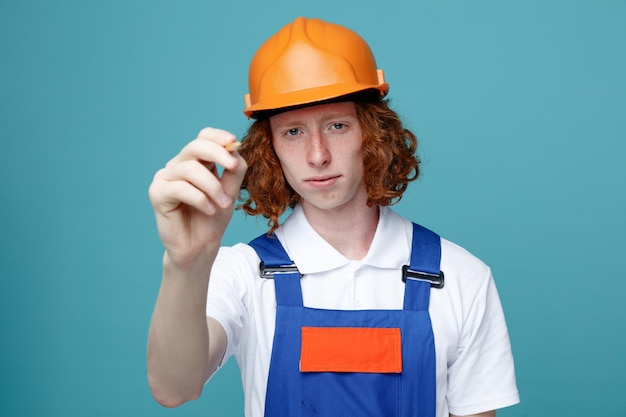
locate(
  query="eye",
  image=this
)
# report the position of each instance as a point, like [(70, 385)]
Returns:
[(337, 126), (292, 132)]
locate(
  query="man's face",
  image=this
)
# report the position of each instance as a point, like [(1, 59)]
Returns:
[(319, 149)]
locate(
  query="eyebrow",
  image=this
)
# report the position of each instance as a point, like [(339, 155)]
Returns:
[(325, 118)]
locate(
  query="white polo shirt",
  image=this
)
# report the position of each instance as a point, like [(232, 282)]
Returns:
[(475, 371)]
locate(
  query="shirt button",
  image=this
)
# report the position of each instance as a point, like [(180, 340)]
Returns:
[(357, 273), (358, 302)]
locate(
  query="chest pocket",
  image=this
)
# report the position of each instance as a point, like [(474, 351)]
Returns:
[(351, 349)]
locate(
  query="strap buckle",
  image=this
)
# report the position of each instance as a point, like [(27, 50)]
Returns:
[(268, 272), (436, 281)]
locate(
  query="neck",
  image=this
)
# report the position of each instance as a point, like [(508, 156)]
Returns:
[(350, 232)]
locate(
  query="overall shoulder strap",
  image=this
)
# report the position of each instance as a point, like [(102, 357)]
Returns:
[(424, 270), (275, 264), (270, 250)]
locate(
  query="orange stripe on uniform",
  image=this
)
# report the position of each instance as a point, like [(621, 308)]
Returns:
[(351, 349)]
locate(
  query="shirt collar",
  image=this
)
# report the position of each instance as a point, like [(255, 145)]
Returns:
[(390, 247)]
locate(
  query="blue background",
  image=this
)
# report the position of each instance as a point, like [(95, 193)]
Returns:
[(520, 108)]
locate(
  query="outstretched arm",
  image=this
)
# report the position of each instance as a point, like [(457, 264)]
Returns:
[(193, 205)]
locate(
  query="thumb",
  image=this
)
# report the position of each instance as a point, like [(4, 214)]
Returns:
[(232, 178)]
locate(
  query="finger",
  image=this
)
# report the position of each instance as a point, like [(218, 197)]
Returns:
[(207, 151), (167, 196), (205, 180), (232, 178), (219, 136), (223, 138)]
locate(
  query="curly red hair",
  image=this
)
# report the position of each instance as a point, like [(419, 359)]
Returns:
[(389, 163)]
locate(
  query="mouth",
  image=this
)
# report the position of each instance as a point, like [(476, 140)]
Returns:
[(322, 181)]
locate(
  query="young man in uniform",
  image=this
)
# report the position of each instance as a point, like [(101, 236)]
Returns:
[(345, 309)]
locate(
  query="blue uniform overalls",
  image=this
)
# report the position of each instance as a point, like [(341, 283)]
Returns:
[(352, 363)]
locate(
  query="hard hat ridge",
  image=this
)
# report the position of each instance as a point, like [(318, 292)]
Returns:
[(308, 61)]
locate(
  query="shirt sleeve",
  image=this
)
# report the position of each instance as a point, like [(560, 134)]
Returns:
[(482, 376), (227, 294)]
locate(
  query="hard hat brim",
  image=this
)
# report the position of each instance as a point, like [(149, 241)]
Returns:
[(309, 96)]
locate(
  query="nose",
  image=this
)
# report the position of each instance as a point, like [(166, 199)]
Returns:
[(318, 154)]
